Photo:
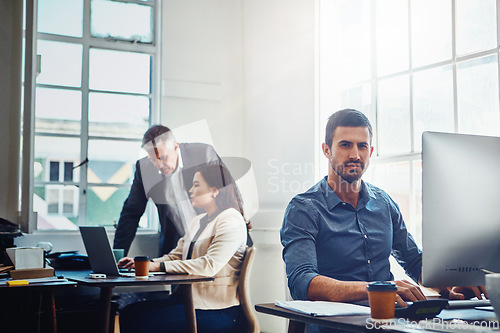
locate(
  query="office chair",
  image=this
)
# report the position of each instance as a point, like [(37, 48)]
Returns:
[(244, 291)]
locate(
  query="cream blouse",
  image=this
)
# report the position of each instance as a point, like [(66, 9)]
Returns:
[(218, 252)]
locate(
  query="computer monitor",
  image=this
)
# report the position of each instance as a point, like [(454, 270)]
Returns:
[(460, 208)]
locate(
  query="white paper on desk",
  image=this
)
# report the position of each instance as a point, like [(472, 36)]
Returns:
[(322, 308), (26, 257)]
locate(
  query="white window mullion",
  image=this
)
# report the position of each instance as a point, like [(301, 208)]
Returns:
[(454, 62), (373, 77), (154, 113), (410, 62), (60, 200), (82, 211), (155, 106), (498, 41), (28, 217)]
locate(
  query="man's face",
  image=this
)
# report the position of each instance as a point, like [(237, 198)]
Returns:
[(164, 157), (350, 152)]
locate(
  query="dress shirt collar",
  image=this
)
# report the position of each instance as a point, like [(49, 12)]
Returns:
[(332, 200), (180, 165)]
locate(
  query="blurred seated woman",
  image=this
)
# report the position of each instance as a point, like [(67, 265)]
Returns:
[(214, 245)]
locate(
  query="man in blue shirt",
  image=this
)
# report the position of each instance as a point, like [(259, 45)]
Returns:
[(338, 235)]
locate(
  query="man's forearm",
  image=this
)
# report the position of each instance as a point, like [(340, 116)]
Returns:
[(323, 288)]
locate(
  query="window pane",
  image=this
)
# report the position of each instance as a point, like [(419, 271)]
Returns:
[(112, 19), (416, 229), (54, 171), (476, 27), (62, 117), (431, 31), (52, 201), (68, 171), (353, 42), (112, 161), (61, 17), (477, 85), (359, 98), (104, 204), (118, 115), (61, 63), (394, 116), (55, 150), (433, 102), (69, 203), (392, 36), (119, 71), (56, 206), (394, 178)]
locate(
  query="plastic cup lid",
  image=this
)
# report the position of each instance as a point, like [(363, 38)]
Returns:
[(141, 258), (382, 286)]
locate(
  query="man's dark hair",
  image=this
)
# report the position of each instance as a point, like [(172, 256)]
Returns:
[(153, 132), (345, 118)]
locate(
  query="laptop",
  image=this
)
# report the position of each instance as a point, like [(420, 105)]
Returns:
[(101, 257)]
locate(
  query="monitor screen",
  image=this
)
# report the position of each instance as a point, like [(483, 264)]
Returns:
[(460, 208)]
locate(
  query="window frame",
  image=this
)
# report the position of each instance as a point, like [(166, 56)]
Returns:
[(414, 155), (32, 65)]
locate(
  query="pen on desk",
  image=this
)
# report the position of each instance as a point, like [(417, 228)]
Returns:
[(17, 282)]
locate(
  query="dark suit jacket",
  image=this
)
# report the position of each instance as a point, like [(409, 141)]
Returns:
[(148, 183)]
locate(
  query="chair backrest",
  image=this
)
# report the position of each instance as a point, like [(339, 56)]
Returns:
[(244, 291)]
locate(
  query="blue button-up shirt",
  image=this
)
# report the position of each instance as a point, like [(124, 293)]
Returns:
[(322, 235)]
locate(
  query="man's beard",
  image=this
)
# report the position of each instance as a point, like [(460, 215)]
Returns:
[(353, 175)]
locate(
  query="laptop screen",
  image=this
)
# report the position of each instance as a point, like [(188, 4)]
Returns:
[(99, 250)]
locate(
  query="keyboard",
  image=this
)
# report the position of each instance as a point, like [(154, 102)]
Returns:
[(467, 303)]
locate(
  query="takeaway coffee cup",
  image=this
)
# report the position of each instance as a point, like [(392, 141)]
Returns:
[(382, 298), (141, 266)]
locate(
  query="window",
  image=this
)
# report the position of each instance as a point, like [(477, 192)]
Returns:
[(96, 95), (410, 66)]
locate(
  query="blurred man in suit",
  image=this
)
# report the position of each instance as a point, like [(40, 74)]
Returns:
[(165, 176)]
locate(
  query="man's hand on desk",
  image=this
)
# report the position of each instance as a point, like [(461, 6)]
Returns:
[(408, 291), (464, 292)]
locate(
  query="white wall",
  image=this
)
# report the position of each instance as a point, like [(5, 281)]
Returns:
[(202, 69), (278, 37), (247, 68)]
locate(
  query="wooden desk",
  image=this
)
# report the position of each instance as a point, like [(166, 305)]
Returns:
[(364, 324), (45, 290), (107, 285)]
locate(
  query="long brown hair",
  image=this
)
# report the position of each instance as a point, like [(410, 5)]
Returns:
[(218, 176)]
